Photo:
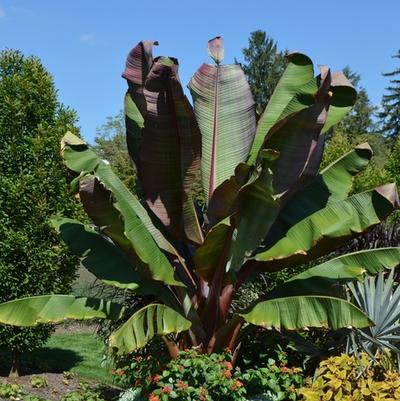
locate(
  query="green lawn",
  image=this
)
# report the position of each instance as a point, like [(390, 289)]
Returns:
[(81, 353)]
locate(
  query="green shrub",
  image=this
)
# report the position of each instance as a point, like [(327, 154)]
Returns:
[(193, 376), (11, 390), (33, 186), (348, 378), (38, 381)]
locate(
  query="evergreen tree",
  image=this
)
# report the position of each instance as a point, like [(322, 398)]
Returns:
[(359, 122), (263, 66), (390, 114), (33, 187)]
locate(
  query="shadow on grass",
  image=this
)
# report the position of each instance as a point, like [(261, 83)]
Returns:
[(42, 360)]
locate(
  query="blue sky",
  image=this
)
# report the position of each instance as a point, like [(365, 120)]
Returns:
[(84, 43)]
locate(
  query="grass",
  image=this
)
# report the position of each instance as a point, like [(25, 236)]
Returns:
[(80, 353)]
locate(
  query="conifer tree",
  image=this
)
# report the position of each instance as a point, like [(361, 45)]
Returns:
[(390, 114), (263, 65)]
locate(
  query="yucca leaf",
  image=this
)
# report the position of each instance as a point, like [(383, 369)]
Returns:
[(143, 325), (225, 112), (296, 313), (55, 309)]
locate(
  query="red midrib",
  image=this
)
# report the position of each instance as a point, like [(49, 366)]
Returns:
[(214, 139)]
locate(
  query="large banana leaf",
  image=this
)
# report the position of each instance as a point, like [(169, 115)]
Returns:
[(134, 122), (256, 211), (102, 258), (170, 150), (98, 204), (325, 277), (138, 65), (55, 309), (298, 73), (343, 98), (296, 313), (138, 227), (332, 184), (225, 111), (209, 254), (330, 227), (143, 325), (296, 91)]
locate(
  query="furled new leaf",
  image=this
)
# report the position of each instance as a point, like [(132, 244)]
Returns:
[(143, 325), (225, 112)]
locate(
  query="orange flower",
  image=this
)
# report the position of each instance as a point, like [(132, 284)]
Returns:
[(156, 378), (228, 365), (153, 397), (182, 385), (227, 374), (236, 385), (166, 390)]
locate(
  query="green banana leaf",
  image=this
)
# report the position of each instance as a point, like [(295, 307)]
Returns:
[(256, 211), (55, 309), (134, 122), (208, 255), (332, 184), (143, 325), (102, 258), (138, 227), (302, 312), (328, 277), (343, 98), (225, 112), (295, 91), (98, 204), (298, 73), (329, 227)]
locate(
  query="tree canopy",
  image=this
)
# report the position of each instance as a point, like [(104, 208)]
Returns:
[(33, 187)]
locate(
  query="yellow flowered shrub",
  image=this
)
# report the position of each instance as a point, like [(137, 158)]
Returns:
[(346, 378)]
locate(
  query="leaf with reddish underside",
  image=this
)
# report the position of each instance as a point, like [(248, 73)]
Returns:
[(296, 138), (170, 151), (222, 202), (225, 111), (138, 65)]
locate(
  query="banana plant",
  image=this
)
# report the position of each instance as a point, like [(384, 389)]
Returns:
[(268, 207)]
